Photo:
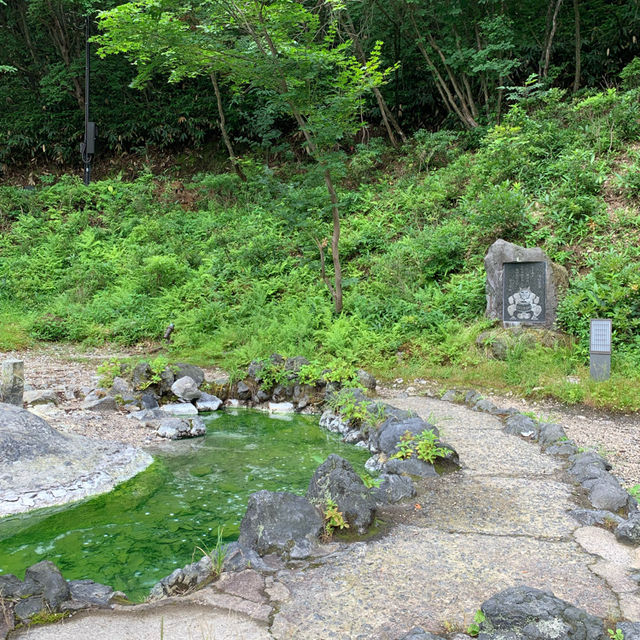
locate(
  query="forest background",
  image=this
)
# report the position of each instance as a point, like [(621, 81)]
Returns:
[(324, 179)]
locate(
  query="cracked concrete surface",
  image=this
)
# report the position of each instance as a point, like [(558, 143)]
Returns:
[(501, 521)]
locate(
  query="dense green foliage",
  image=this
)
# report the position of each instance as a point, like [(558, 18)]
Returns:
[(234, 266), (460, 63)]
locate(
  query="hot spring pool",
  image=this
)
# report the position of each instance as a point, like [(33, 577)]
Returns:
[(148, 526)]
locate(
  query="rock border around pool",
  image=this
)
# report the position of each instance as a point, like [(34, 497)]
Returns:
[(45, 596), (281, 527), (611, 505)]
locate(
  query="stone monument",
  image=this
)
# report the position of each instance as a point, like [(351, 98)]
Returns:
[(12, 382), (523, 285)]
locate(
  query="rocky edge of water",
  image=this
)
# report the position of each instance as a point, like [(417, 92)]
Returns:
[(44, 595)]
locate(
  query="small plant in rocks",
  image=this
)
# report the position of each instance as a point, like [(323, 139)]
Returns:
[(108, 371), (349, 407), (474, 627), (216, 555), (333, 519), (424, 446), (615, 635)]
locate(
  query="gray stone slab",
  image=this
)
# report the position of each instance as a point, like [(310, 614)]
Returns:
[(498, 505), (435, 576), (12, 382), (169, 621)]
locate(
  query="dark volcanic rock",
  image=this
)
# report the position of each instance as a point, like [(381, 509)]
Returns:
[(28, 607), (195, 373), (45, 578), (629, 530), (11, 586), (521, 425), (630, 630), (393, 488), (526, 613), (590, 517), (410, 467), (281, 523), (243, 391), (551, 433), (335, 479), (295, 364), (87, 593)]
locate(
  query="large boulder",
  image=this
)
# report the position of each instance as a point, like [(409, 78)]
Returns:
[(410, 467), (336, 480), (41, 467), (366, 379), (179, 428), (179, 409), (121, 388), (281, 523), (45, 579), (41, 396), (186, 389), (629, 530), (393, 488), (604, 491), (532, 614), (295, 364), (521, 425), (208, 402)]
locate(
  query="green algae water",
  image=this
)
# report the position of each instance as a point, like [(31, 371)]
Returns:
[(148, 526)]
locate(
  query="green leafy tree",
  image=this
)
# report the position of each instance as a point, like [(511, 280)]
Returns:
[(281, 48)]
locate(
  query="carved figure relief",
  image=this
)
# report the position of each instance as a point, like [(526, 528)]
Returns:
[(523, 305)]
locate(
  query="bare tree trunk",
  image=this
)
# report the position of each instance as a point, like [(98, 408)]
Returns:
[(335, 241), (549, 40), (223, 128), (59, 35), (336, 290), (576, 14), (445, 92), (387, 117)]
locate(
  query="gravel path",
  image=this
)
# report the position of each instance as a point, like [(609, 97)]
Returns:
[(614, 435)]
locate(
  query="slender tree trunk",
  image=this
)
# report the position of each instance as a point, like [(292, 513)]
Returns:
[(336, 290), (550, 37), (59, 35), (387, 117), (223, 128), (576, 14), (445, 92)]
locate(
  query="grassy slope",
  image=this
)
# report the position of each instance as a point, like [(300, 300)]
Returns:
[(236, 268)]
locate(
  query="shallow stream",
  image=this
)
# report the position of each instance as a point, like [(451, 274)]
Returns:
[(148, 526)]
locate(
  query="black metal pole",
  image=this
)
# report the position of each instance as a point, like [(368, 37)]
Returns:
[(86, 156)]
